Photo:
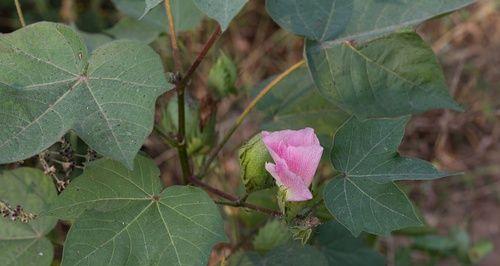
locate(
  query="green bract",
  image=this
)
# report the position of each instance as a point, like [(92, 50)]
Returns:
[(222, 76), (253, 158), (49, 85)]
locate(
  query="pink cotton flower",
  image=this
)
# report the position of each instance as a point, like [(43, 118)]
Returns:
[(296, 154)]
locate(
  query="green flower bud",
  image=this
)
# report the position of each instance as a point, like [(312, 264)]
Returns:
[(253, 158), (222, 77)]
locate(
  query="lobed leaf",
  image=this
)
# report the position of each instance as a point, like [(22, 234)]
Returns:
[(365, 198), (124, 218), (49, 85), (340, 20), (388, 77), (221, 10), (25, 243)]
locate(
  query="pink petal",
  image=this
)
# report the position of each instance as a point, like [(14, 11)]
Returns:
[(303, 161), (302, 137), (297, 190)]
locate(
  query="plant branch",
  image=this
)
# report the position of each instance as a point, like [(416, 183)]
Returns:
[(245, 113), (181, 136), (203, 53), (234, 201), (20, 13)]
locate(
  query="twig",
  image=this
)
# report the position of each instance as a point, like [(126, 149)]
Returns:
[(245, 113), (20, 13), (234, 201), (254, 207), (173, 37), (203, 53)]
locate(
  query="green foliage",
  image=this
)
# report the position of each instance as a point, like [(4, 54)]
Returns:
[(222, 76), (253, 158), (271, 235), (341, 248), (366, 72), (126, 218), (25, 243), (333, 245), (340, 20), (107, 99), (364, 197), (293, 254), (388, 77), (221, 10)]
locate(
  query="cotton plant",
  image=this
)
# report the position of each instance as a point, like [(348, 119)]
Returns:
[(76, 110)]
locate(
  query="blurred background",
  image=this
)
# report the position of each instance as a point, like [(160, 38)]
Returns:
[(463, 212)]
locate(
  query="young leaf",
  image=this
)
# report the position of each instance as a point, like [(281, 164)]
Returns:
[(295, 103), (221, 10), (341, 248), (186, 15), (25, 243), (124, 218), (388, 77), (340, 20), (48, 85), (364, 198)]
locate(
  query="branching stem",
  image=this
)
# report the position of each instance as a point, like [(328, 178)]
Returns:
[(234, 201)]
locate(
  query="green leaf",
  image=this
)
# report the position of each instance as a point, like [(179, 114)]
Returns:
[(293, 254), (25, 243), (125, 29), (340, 20), (221, 10), (296, 103), (341, 248), (388, 77), (364, 198), (48, 85), (186, 15), (132, 29), (272, 235), (368, 150), (365, 205), (125, 218)]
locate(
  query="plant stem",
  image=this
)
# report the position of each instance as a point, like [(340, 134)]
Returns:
[(20, 13), (234, 201), (181, 136), (254, 207), (245, 113)]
